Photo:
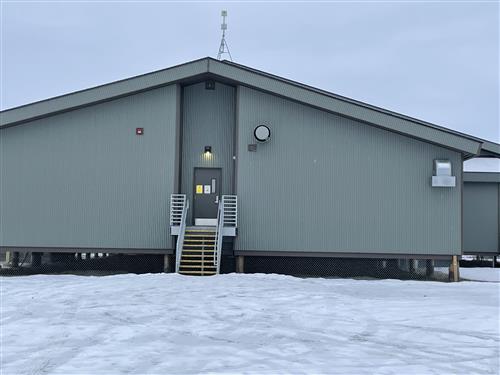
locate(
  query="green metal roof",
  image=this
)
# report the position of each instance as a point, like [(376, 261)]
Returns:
[(470, 146)]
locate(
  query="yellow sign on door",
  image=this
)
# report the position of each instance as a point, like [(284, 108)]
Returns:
[(199, 189)]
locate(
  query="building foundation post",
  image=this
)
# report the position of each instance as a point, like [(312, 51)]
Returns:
[(454, 269), (15, 259), (167, 263), (411, 266), (494, 263), (429, 267), (240, 264)]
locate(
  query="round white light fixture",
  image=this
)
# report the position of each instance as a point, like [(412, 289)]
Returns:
[(262, 133)]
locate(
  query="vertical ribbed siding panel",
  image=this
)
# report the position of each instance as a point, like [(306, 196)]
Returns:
[(481, 217), (84, 179), (208, 118), (327, 183), (344, 106)]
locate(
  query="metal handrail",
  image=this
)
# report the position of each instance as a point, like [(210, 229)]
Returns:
[(219, 234), (177, 204), (230, 207), (180, 237)]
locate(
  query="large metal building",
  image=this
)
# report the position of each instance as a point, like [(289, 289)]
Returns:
[(183, 160)]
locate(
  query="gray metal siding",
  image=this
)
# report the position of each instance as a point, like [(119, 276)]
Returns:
[(84, 179), (208, 119), (481, 217), (253, 78), (325, 183)]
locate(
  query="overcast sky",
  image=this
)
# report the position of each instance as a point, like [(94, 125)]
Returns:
[(437, 61)]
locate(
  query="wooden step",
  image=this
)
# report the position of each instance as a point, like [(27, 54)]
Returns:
[(198, 250), (207, 256), (198, 245), (198, 267), (211, 238), (195, 240), (205, 250), (197, 273), (198, 236)]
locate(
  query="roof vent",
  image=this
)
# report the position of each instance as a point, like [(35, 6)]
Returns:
[(442, 174)]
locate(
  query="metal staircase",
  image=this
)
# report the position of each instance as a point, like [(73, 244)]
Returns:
[(199, 249), (198, 252)]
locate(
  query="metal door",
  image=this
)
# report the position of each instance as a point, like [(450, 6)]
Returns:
[(206, 195)]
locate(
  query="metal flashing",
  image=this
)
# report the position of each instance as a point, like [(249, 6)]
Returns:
[(306, 254), (490, 149), (482, 177), (107, 250)]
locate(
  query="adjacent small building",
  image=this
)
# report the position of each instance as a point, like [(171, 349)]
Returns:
[(482, 213), (186, 159)]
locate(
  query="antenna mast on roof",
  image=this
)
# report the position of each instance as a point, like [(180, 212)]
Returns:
[(223, 48)]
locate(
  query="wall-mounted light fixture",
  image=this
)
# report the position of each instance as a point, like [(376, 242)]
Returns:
[(207, 154), (210, 84), (442, 174)]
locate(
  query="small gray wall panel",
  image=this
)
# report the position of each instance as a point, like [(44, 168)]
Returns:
[(481, 217), (208, 119), (85, 179), (329, 184), (482, 177)]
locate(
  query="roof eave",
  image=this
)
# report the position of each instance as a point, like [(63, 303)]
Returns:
[(490, 149), (387, 121), (109, 91), (468, 146)]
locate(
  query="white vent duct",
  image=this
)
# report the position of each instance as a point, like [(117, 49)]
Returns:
[(442, 174)]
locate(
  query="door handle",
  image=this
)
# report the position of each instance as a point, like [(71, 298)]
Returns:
[(216, 199)]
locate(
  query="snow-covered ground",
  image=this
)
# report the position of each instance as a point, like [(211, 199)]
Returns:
[(480, 274), (167, 323)]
